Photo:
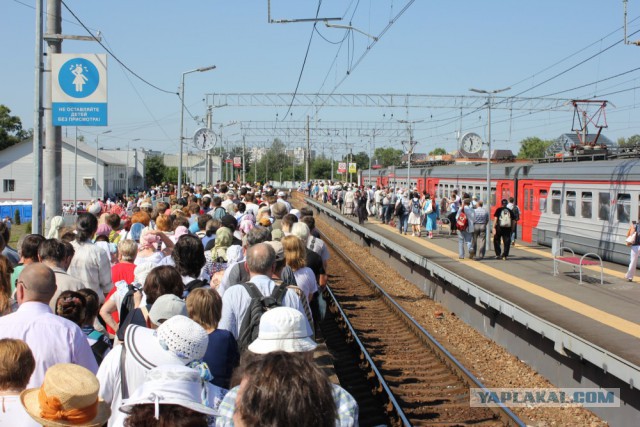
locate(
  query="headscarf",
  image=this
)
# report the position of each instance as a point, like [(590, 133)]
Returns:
[(56, 223), (223, 240), (147, 240)]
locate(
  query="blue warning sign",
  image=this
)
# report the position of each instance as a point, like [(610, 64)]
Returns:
[(79, 92)]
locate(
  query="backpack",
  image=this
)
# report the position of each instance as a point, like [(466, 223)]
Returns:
[(99, 348), (194, 284), (128, 303), (259, 304), (399, 209), (219, 212), (516, 212), (462, 222), (416, 208), (505, 218)]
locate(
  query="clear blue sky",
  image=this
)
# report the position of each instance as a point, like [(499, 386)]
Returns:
[(437, 48)]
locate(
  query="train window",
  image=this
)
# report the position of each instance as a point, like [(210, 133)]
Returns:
[(570, 208), (623, 208), (556, 200), (478, 192), (493, 196), (543, 200), (531, 199), (604, 206), (526, 200), (586, 205)]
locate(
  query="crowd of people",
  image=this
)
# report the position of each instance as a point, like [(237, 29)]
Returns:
[(414, 211), (197, 309)]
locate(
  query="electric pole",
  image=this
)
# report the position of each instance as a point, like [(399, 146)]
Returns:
[(52, 153)]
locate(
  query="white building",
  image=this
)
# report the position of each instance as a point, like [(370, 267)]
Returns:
[(194, 166), (134, 160), (78, 174)]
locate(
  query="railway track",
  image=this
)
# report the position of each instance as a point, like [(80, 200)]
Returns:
[(413, 378)]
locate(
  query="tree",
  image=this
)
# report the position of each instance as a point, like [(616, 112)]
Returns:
[(388, 156), (632, 141), (533, 148), (438, 152), (361, 160), (155, 170), (11, 131), (321, 168)]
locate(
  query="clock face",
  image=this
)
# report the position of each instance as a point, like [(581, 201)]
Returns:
[(470, 143), (204, 139)]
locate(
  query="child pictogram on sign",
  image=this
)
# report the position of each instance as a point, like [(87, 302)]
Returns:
[(80, 79)]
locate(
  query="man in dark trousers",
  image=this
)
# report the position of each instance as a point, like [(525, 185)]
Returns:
[(504, 222)]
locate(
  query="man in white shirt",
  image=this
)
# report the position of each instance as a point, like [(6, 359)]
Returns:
[(235, 301), (52, 339)]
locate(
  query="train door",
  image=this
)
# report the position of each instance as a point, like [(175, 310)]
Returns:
[(526, 212)]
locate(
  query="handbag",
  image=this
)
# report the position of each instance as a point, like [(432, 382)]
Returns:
[(631, 240)]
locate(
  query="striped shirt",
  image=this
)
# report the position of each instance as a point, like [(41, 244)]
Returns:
[(482, 217)]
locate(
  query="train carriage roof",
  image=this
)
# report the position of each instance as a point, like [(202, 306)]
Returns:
[(627, 169)]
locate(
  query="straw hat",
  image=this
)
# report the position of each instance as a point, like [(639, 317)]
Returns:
[(68, 397)]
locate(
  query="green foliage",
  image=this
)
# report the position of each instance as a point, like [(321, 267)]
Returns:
[(11, 131), (533, 148), (155, 170), (28, 228), (321, 168), (632, 141), (438, 152), (361, 159), (388, 156), (171, 174), (16, 217)]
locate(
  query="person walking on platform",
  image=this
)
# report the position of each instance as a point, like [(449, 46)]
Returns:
[(454, 205), (403, 207), (464, 223), (516, 213), (502, 230), (478, 242), (415, 214), (430, 211), (362, 204), (635, 251)]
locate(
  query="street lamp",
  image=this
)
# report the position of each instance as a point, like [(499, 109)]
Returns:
[(489, 93), (127, 186), (198, 70), (98, 152)]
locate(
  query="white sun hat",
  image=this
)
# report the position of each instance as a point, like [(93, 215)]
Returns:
[(283, 329), (169, 385)]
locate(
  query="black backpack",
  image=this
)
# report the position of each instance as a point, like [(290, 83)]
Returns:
[(194, 284), (259, 304), (128, 304)]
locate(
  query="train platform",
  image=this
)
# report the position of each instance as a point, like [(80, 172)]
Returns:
[(598, 322)]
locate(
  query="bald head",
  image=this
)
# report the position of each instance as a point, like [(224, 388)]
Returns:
[(260, 259), (38, 283)]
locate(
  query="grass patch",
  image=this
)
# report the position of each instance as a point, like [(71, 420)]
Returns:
[(18, 231)]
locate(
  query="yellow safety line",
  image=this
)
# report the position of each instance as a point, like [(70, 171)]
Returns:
[(603, 317)]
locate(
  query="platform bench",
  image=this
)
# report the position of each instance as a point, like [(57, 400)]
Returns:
[(573, 260)]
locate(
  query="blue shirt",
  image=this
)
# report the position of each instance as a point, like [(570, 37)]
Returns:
[(222, 357)]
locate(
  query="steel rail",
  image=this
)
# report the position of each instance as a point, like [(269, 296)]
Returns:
[(502, 411)]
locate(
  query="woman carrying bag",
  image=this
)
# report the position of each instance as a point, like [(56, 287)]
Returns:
[(634, 243)]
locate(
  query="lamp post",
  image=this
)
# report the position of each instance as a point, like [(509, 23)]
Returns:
[(198, 70), (97, 152), (127, 185), (372, 147), (489, 94)]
